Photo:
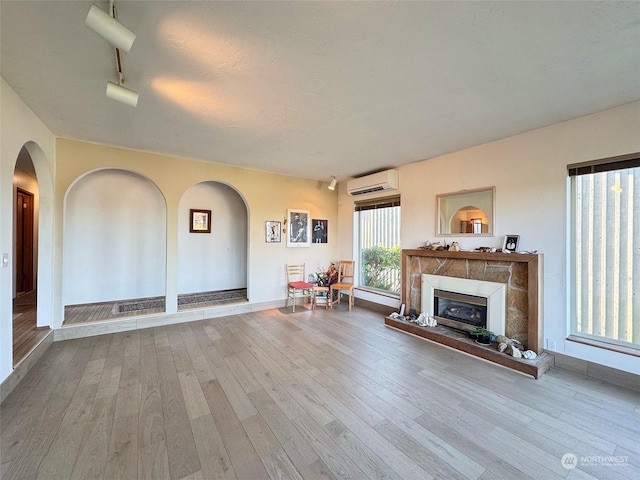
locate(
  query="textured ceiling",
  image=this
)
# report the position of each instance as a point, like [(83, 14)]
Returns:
[(315, 89)]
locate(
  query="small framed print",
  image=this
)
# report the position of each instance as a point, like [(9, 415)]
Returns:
[(199, 221), (510, 243), (320, 230), (273, 231)]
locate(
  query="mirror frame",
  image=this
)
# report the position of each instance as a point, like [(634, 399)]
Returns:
[(453, 195)]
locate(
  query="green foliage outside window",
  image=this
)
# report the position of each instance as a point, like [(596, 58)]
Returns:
[(381, 267)]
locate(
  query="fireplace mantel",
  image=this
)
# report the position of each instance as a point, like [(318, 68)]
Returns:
[(521, 273)]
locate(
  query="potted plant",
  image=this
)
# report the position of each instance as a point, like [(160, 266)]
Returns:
[(482, 335)]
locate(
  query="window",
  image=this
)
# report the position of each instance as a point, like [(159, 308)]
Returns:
[(605, 251), (378, 244)]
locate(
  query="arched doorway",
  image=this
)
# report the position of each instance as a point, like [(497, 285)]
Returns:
[(26, 333)]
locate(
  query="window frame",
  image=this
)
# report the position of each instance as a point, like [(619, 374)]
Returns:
[(622, 162), (364, 205)]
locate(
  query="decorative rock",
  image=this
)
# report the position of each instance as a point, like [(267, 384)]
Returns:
[(502, 347), (513, 351), (516, 343), (529, 354), (502, 339)]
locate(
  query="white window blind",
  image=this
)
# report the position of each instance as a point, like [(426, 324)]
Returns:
[(605, 253)]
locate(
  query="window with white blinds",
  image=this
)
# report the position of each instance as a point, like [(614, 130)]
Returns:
[(605, 250), (378, 244)]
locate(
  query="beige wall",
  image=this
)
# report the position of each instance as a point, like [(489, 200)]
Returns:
[(267, 197)]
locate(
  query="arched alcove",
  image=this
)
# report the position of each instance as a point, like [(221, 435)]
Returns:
[(114, 238), (215, 261)]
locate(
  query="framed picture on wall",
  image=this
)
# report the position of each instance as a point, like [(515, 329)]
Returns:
[(510, 243), (319, 230), (199, 221), (273, 231), (299, 231)]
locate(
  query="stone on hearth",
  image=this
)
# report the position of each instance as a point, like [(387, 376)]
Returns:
[(502, 339), (513, 351), (516, 343), (529, 354), (502, 347)]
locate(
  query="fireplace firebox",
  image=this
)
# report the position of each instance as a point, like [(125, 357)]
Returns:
[(459, 310), (464, 303)]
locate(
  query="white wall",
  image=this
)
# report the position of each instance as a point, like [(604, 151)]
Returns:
[(216, 260), (114, 238), (20, 127), (530, 176)]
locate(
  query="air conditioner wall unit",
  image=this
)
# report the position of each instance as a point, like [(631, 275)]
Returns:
[(376, 182)]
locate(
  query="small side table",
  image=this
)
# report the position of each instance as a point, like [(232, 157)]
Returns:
[(325, 299)]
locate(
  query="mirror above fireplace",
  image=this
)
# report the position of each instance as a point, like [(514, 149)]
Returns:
[(468, 212)]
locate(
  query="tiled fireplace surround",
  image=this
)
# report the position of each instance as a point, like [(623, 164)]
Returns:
[(522, 274)]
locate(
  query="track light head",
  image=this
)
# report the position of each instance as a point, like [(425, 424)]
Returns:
[(122, 94), (110, 29), (332, 185)]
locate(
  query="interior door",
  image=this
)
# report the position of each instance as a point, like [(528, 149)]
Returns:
[(24, 241)]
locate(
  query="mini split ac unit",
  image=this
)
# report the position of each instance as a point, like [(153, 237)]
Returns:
[(376, 182)]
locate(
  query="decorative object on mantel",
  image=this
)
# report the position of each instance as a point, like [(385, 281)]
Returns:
[(486, 249), (455, 247), (510, 243), (434, 246)]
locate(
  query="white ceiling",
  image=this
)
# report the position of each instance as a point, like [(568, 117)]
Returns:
[(315, 89)]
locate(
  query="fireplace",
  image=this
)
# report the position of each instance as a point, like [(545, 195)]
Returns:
[(520, 277), (463, 303)]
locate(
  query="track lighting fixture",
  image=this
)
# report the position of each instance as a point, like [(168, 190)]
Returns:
[(332, 185), (109, 28), (122, 94)]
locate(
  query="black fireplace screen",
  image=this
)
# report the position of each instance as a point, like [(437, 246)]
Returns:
[(460, 309)]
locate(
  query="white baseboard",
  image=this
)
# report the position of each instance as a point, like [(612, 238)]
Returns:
[(597, 371)]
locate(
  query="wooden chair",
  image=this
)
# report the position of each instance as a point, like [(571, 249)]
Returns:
[(345, 282), (297, 286)]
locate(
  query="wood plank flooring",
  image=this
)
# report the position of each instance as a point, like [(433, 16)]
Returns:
[(95, 312), (26, 334), (324, 394)]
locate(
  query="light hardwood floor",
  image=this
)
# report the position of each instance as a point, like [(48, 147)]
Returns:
[(315, 394), (26, 334)]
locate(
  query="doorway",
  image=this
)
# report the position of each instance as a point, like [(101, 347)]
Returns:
[(26, 333), (24, 242)]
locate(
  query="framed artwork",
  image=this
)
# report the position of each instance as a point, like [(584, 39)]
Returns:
[(511, 243), (319, 230), (199, 221), (273, 231), (299, 231)]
